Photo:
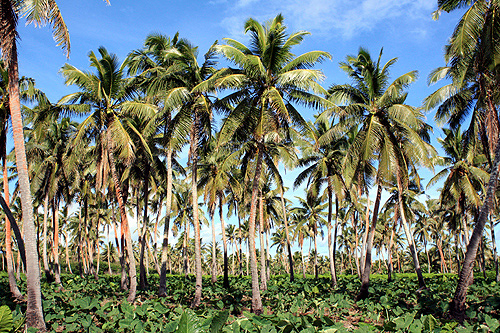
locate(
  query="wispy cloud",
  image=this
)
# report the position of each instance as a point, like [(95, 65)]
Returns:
[(343, 18)]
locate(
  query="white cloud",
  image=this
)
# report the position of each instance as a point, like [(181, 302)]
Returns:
[(340, 17)]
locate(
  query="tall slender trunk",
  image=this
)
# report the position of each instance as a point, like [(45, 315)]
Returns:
[(119, 249), (124, 222), (409, 235), (214, 247), (428, 258), (268, 268), (263, 282), (34, 311), (225, 281), (303, 260), (256, 300), (66, 243), (55, 244), (365, 235), (356, 239), (14, 290), (288, 243), (46, 268), (315, 233), (162, 291), (196, 220), (495, 258), (390, 267), (365, 276), (457, 306), (143, 278), (330, 246), (108, 248), (334, 250)]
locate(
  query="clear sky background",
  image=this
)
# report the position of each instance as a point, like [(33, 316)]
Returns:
[(403, 28)]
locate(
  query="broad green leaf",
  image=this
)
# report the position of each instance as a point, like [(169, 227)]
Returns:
[(430, 323), (218, 321), (6, 321)]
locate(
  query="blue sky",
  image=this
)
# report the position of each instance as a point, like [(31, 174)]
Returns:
[(403, 28)]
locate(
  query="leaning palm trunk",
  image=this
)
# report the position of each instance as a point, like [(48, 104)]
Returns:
[(34, 312), (457, 305), (162, 291), (123, 214), (256, 300), (365, 276), (196, 221)]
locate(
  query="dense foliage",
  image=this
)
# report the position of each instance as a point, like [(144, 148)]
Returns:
[(306, 305)]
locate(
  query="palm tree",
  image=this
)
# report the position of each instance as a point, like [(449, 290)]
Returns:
[(28, 92), (392, 133), (323, 164), (472, 53), (40, 14), (311, 212), (191, 97), (269, 80), (107, 97), (157, 69)]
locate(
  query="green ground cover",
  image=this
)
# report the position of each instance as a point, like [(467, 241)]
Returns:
[(307, 305)]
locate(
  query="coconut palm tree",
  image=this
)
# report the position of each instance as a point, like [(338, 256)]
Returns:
[(323, 164), (472, 53), (39, 13), (109, 100), (311, 212), (268, 81), (392, 134)]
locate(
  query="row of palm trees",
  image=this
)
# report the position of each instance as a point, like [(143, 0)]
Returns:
[(138, 115)]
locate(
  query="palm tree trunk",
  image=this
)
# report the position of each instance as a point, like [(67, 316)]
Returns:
[(365, 236), (66, 237), (124, 222), (263, 282), (334, 251), (356, 238), (143, 278), (303, 260), (495, 258), (428, 258), (162, 291), (225, 282), (46, 268), (315, 231), (214, 247), (330, 246), (288, 243), (34, 312), (365, 276), (14, 290), (196, 220), (256, 300), (55, 244), (457, 306), (409, 235), (268, 268)]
